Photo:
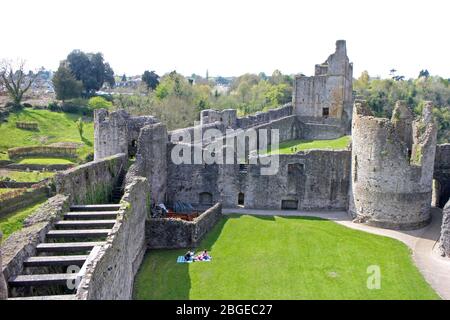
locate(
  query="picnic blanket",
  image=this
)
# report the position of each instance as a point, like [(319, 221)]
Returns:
[(181, 259)]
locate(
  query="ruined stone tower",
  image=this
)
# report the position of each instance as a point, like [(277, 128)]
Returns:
[(117, 132), (328, 94), (392, 167)]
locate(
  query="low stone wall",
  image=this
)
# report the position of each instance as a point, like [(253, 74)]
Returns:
[(92, 182), (16, 185), (163, 233), (22, 244), (23, 200), (46, 151), (444, 241), (38, 167), (110, 274), (264, 117), (320, 131), (3, 287)]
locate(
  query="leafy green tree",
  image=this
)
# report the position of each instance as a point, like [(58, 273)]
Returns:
[(109, 75), (99, 103), (90, 69), (65, 85), (151, 79)]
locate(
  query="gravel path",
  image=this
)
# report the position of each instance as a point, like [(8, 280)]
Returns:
[(422, 242)]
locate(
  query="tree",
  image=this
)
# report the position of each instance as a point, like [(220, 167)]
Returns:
[(99, 103), (124, 78), (150, 78), (16, 82), (90, 69), (109, 75), (65, 84), (424, 74)]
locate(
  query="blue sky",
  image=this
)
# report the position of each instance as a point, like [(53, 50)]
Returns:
[(232, 37)]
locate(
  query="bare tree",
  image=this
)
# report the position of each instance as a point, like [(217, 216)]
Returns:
[(14, 79)]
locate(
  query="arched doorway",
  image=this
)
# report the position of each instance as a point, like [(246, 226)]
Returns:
[(205, 198)]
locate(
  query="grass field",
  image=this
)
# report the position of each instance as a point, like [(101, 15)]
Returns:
[(24, 176), (14, 220), (45, 161), (293, 146), (5, 190), (284, 258), (53, 127)]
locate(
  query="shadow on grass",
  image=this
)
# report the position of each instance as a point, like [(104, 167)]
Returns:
[(86, 142), (160, 277)]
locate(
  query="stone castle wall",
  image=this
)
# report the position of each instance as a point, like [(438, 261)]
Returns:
[(163, 233), (391, 175), (442, 173), (117, 132), (151, 160), (92, 182), (316, 179), (329, 89), (110, 273), (444, 240), (229, 117), (3, 287)]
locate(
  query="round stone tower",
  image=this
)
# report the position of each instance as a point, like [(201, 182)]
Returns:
[(392, 167)]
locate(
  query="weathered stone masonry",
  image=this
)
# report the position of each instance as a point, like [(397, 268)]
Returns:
[(3, 287), (176, 233), (110, 274), (392, 168), (442, 174), (329, 93), (92, 182)]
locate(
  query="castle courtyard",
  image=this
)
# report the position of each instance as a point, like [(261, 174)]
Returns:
[(284, 256)]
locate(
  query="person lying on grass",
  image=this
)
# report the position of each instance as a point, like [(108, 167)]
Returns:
[(189, 255), (203, 256)]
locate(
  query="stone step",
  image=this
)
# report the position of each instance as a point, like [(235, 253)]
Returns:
[(80, 233), (91, 215), (46, 261), (68, 246), (95, 207), (55, 297), (85, 224), (41, 279)]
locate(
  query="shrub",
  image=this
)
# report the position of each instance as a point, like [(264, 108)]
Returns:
[(27, 105), (72, 107), (54, 106), (89, 157), (95, 103), (79, 124)]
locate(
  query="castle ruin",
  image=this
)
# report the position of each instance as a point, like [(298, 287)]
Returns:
[(392, 167), (384, 179)]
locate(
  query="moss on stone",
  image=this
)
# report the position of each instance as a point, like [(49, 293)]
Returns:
[(416, 157)]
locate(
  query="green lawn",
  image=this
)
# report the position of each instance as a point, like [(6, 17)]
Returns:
[(293, 146), (14, 221), (23, 176), (53, 127), (284, 258), (36, 160), (5, 190)]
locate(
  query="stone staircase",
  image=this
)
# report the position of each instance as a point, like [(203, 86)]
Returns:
[(46, 276)]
